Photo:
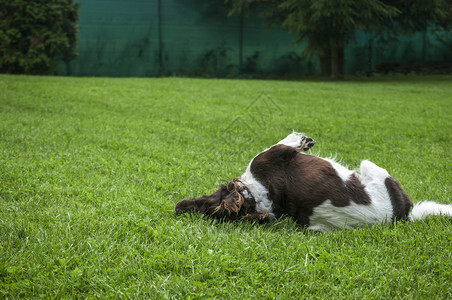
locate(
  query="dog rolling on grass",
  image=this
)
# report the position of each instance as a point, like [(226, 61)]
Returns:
[(316, 192)]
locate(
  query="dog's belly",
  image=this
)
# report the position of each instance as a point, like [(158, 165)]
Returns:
[(326, 216)]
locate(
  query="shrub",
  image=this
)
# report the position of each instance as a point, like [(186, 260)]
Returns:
[(35, 34)]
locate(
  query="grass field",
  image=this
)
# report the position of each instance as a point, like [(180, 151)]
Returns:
[(91, 168)]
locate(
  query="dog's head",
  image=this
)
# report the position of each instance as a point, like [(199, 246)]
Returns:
[(227, 202)]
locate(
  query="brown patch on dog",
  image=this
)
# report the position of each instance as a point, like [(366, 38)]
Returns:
[(356, 190), (401, 202)]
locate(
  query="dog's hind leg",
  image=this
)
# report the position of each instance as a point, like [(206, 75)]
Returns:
[(299, 141), (370, 172)]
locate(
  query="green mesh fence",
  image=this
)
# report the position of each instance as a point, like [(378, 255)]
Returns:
[(196, 38)]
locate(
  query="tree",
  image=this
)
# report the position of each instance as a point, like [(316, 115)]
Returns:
[(35, 34), (329, 25)]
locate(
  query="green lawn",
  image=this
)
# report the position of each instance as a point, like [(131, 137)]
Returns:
[(91, 168)]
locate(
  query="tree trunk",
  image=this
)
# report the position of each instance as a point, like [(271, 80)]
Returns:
[(325, 63), (341, 63), (332, 62)]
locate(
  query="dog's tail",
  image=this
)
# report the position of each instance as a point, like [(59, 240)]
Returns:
[(424, 209)]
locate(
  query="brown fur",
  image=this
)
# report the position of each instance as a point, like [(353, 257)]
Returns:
[(231, 205), (401, 202)]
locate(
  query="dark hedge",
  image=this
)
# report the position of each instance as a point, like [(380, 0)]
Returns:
[(34, 35)]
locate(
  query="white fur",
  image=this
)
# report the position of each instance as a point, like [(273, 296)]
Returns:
[(326, 216), (429, 208), (292, 140), (259, 192)]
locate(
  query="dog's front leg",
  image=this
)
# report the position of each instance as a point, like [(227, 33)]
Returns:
[(260, 217), (299, 141)]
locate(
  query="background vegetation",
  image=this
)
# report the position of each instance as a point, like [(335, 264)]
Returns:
[(201, 39), (329, 26), (91, 168), (34, 35)]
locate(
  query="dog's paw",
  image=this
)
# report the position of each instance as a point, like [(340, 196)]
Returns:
[(306, 143), (299, 141)]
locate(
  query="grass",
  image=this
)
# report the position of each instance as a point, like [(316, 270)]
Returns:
[(91, 168)]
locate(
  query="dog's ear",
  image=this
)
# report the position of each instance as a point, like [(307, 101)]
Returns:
[(205, 204), (231, 201)]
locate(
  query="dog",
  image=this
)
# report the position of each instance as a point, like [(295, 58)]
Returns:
[(318, 193)]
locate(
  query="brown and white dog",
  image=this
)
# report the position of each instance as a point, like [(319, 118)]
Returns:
[(316, 192)]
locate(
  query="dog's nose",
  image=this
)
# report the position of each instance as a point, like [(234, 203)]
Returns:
[(178, 209)]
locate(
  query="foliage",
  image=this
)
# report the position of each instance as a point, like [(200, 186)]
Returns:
[(329, 25), (91, 168), (213, 62), (35, 34)]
